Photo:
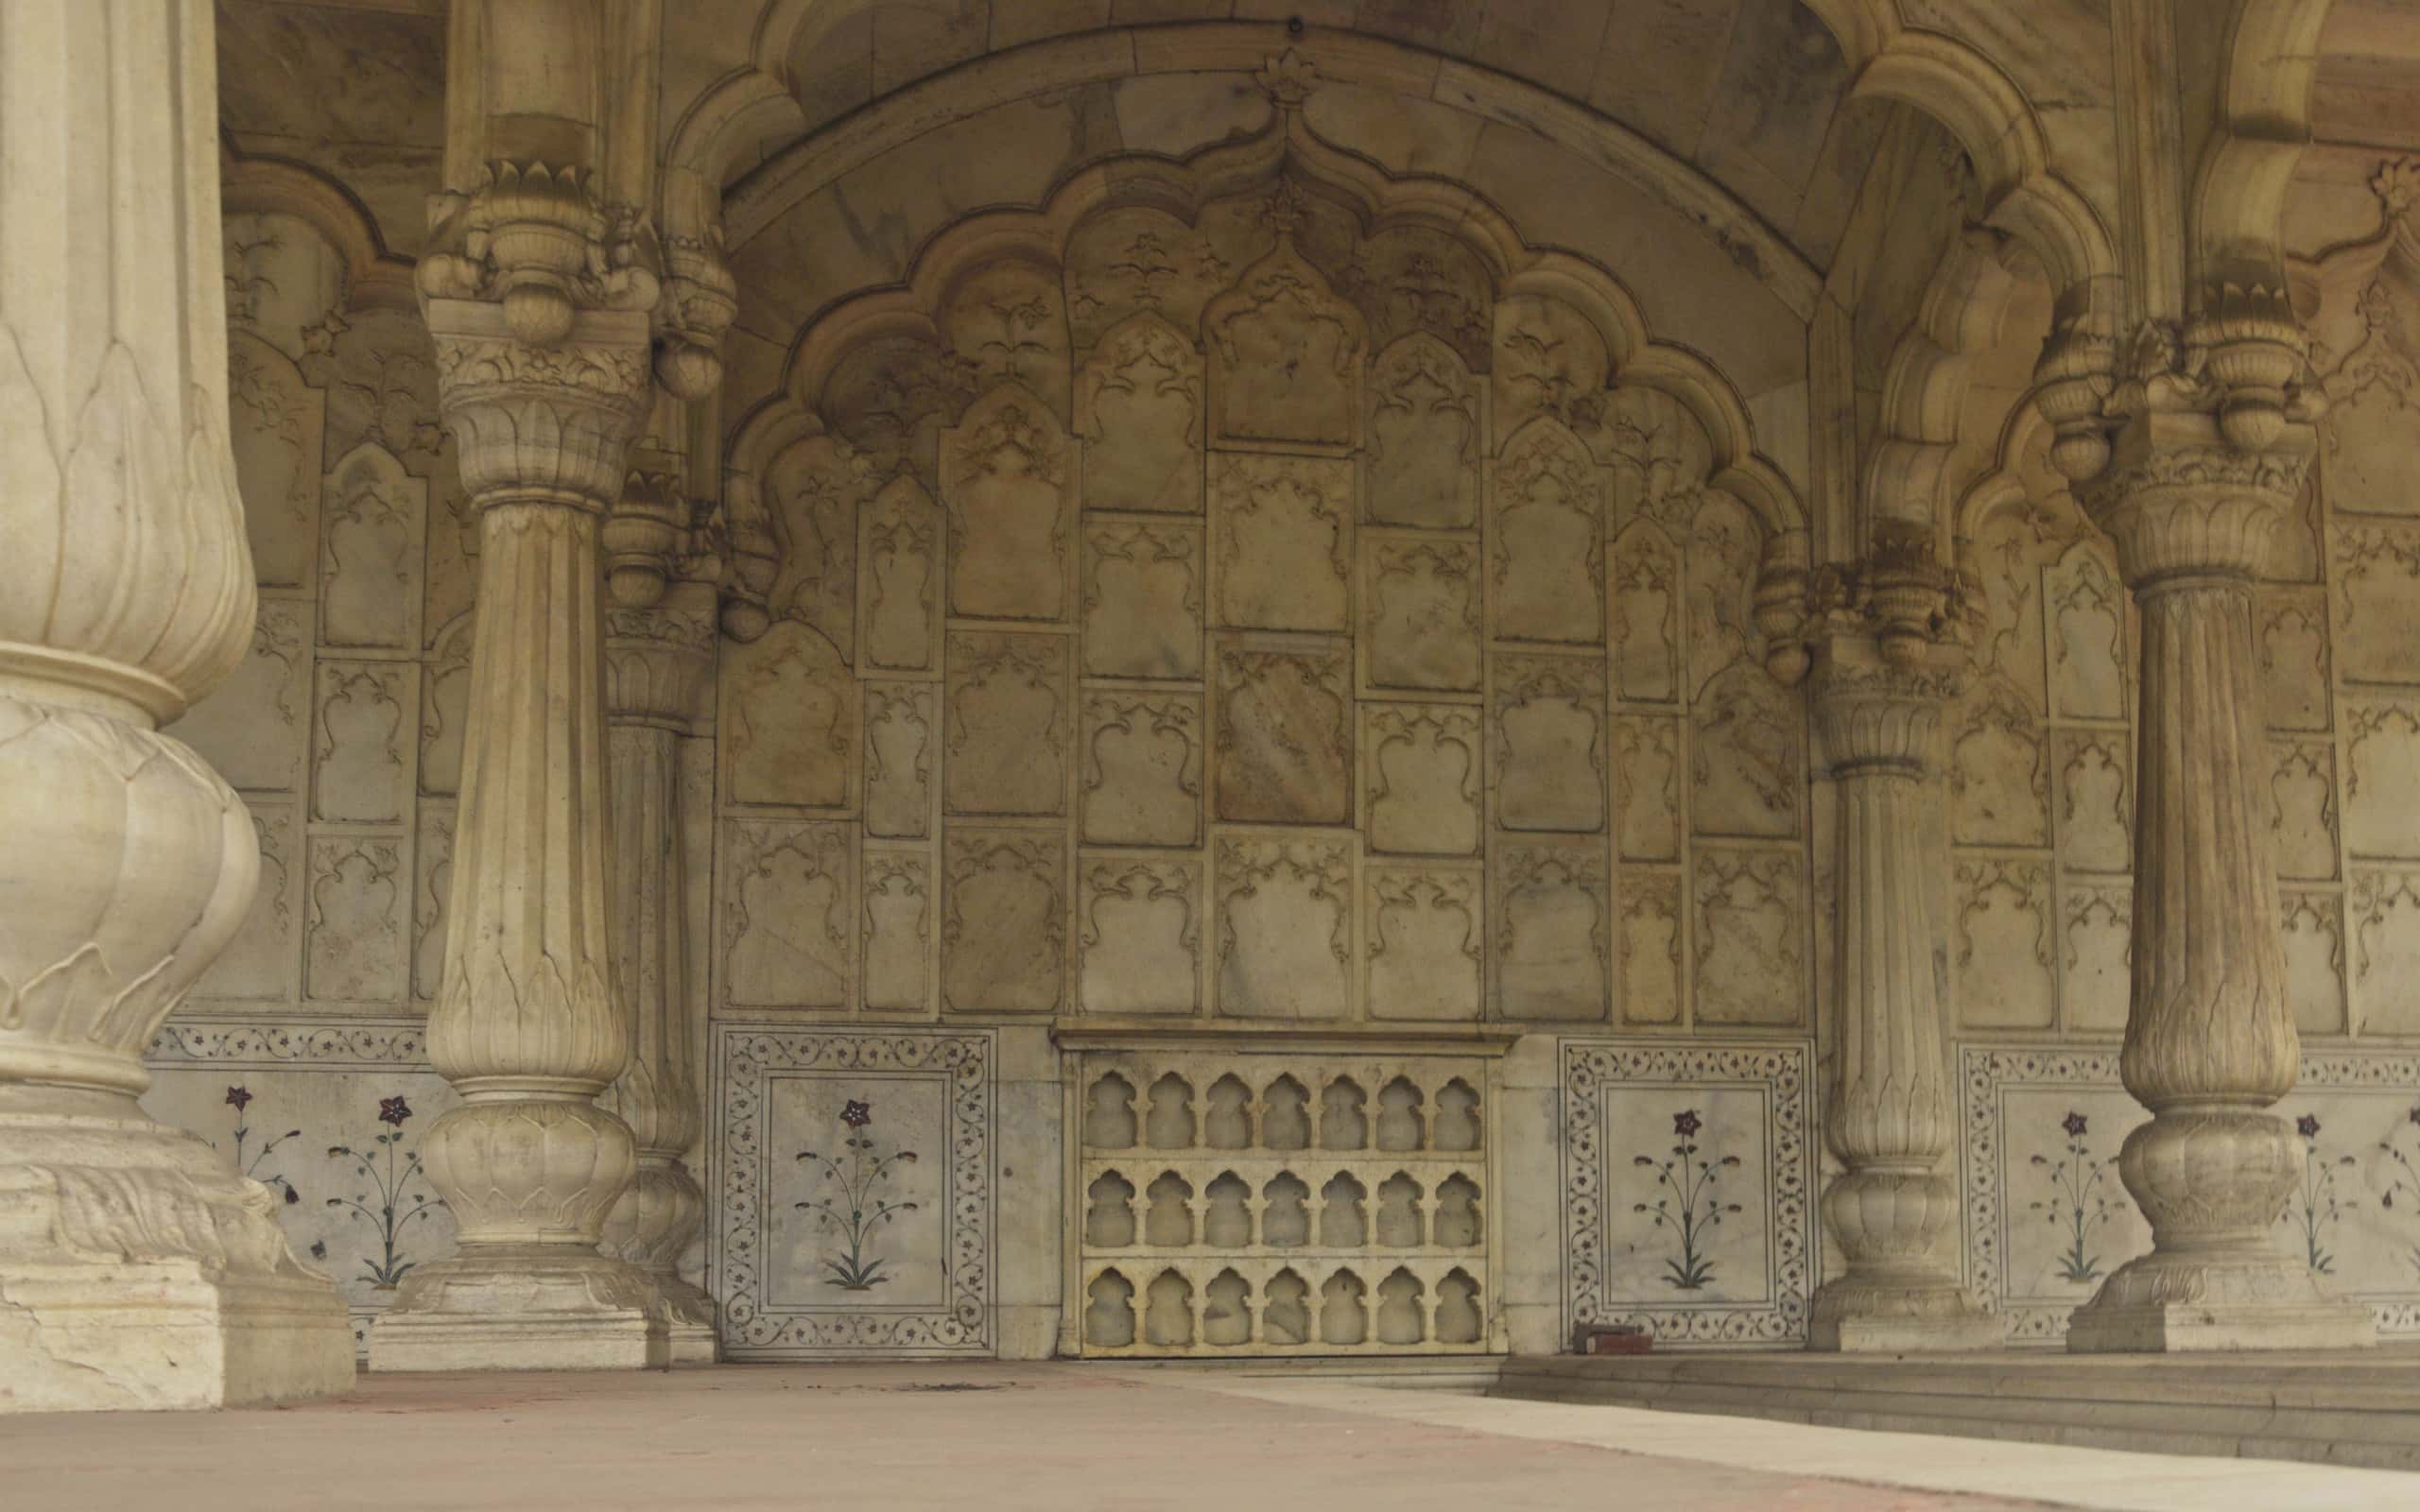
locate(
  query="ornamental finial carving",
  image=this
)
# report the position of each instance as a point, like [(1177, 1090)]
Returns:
[(1287, 79), (701, 299), (535, 239)]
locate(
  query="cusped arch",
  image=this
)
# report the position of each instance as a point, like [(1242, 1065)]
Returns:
[(2238, 190), (1925, 388), (1380, 201)]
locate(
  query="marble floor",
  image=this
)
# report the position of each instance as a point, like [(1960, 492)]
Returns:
[(991, 1437)]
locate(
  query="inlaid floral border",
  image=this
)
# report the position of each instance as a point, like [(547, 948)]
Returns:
[(1986, 1186), (748, 1059), (1594, 1069)]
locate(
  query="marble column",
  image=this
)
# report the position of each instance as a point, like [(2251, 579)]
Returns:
[(137, 1268), (1889, 1118), (2210, 1041), (659, 657), (543, 374)]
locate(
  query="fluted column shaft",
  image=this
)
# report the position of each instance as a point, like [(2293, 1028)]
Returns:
[(527, 1026), (658, 659), (137, 1269), (1888, 1118), (2210, 1040)]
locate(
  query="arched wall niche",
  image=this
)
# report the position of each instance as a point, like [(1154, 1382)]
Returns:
[(1262, 588)]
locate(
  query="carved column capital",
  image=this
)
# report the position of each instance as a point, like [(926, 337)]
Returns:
[(2182, 502), (1878, 715), (659, 660), (540, 423)]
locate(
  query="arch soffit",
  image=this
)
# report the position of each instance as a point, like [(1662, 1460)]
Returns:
[(2271, 62), (1183, 189), (1992, 120), (375, 277), (1926, 384)]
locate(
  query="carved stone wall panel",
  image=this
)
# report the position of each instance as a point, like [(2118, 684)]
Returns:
[(899, 590), (1285, 351), (359, 891), (2303, 792), (445, 704), (1750, 937), (2314, 931), (1423, 930), (378, 370), (1745, 773), (1139, 946), (891, 397), (790, 711), (2366, 461), (1284, 731), (1646, 604), (1546, 539), (1142, 768), (2000, 944), (453, 564), (1648, 924), (1646, 788), (371, 551), (814, 495), (253, 731), (2087, 635), (1550, 362), (2000, 782), (2382, 774), (259, 963), (1550, 936), (2094, 800), (1724, 548), (1009, 479), (781, 1227), (2295, 678), (1549, 756), (283, 275), (1143, 599), (1007, 321), (1284, 928), (1637, 1115), (1004, 921), (1140, 409), (431, 891), (2384, 906), (1136, 260), (2376, 570), (786, 932), (361, 749), (2096, 958), (1416, 280), (903, 726), (276, 422), (899, 908), (2010, 553), (1659, 453), (1281, 533), (1420, 615), (1422, 779), (1422, 435), (1010, 710)]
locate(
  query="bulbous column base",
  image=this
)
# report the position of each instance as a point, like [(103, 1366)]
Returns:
[(2211, 1180), (522, 1307), (1895, 1299), (137, 1271), (650, 1224)]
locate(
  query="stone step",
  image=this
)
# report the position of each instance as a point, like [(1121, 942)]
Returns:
[(2365, 1413)]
